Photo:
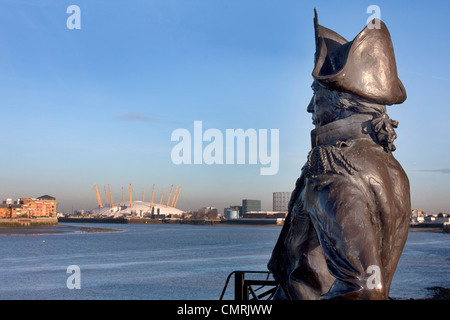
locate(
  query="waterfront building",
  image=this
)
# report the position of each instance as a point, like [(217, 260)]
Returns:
[(250, 205), (231, 214), (44, 206), (265, 215), (233, 208), (10, 210), (281, 201), (207, 210), (50, 203)]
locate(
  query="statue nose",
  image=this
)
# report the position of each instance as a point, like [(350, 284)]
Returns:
[(310, 107)]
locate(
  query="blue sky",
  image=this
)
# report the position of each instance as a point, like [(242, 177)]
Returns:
[(98, 105)]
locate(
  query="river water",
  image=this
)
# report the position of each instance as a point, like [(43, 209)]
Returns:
[(175, 262)]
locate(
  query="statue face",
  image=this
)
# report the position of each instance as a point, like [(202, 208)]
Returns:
[(321, 106)]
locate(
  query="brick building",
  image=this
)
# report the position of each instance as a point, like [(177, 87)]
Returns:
[(44, 206), (8, 210)]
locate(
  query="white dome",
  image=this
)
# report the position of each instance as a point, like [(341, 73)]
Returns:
[(138, 208)]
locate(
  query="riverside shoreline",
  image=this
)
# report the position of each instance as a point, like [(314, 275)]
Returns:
[(123, 220), (27, 222), (50, 229)]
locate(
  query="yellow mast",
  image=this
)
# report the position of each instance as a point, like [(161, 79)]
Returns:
[(110, 197), (106, 195), (153, 192), (174, 196), (143, 194), (176, 200), (99, 200), (123, 196), (131, 198), (170, 194), (160, 201)]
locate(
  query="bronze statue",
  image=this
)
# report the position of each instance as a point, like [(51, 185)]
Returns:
[(349, 212)]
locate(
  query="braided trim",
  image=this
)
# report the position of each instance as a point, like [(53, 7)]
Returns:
[(328, 159)]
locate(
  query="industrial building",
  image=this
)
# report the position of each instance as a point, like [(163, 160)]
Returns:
[(281, 201), (236, 208), (231, 214), (250, 205), (265, 215), (138, 208)]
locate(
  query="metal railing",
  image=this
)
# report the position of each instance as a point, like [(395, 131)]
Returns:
[(251, 289)]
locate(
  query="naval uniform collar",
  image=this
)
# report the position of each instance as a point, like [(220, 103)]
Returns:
[(353, 127)]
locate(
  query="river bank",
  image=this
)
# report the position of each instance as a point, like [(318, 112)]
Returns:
[(423, 227), (51, 229), (27, 222), (135, 220)]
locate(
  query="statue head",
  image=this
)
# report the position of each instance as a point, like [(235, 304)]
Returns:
[(328, 105), (325, 106)]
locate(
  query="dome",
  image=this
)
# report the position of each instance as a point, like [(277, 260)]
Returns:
[(138, 208)]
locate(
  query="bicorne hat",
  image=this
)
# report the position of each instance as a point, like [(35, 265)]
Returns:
[(365, 66)]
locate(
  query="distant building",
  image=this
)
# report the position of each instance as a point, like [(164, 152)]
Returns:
[(207, 210), (281, 201), (231, 214), (417, 213), (50, 201), (8, 210), (233, 208), (417, 216), (250, 205), (265, 214), (44, 206)]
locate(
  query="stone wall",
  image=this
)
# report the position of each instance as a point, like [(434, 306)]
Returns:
[(27, 222)]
